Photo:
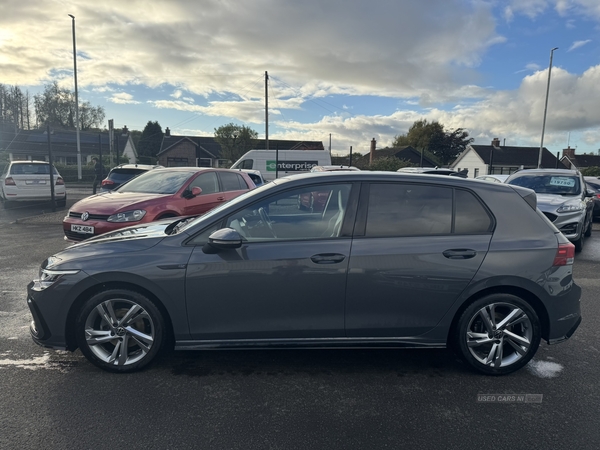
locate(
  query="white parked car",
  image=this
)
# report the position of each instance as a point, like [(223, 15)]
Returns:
[(493, 178), (30, 181)]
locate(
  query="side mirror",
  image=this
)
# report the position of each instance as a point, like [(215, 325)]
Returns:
[(196, 191), (589, 193), (223, 239)]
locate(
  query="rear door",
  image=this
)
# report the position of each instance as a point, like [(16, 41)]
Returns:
[(232, 184), (416, 247)]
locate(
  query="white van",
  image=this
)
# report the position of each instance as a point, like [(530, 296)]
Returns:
[(290, 161)]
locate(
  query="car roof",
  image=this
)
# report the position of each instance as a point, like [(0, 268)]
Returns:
[(29, 162), (137, 166), (547, 171)]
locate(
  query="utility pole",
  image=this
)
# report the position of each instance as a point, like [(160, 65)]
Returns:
[(546, 107), (111, 135), (76, 102), (266, 110)]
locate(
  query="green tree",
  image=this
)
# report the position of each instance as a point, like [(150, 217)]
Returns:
[(150, 140), (593, 171), (431, 137), (235, 140), (56, 107)]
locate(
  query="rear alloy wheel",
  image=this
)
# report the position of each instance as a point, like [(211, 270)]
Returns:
[(120, 330), (498, 334)]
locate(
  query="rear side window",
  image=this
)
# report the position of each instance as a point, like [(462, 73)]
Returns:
[(470, 216), (397, 210), (232, 181), (408, 210)]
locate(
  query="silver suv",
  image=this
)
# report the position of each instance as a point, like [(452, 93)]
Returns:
[(563, 198)]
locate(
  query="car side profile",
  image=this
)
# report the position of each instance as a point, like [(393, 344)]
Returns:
[(26, 181), (392, 260), (154, 195)]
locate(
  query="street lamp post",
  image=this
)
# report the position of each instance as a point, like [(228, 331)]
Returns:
[(546, 108), (76, 100)]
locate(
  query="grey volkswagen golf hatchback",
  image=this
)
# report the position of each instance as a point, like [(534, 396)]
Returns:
[(392, 260)]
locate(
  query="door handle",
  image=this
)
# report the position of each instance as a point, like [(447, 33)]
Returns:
[(327, 258), (459, 253), (220, 198)]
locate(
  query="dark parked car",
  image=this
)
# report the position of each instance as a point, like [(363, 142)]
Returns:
[(593, 184), (562, 196), (391, 261), (125, 172), (154, 195)]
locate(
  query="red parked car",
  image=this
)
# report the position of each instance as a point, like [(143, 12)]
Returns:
[(154, 195)]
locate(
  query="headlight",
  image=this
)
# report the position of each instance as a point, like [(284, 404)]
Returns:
[(569, 208), (49, 277), (128, 216)]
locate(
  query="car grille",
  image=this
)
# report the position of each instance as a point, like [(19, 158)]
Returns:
[(91, 216), (550, 216)]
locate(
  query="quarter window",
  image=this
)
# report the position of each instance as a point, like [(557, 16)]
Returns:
[(232, 181), (470, 216)]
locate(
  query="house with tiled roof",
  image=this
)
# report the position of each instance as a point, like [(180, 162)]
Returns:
[(33, 145), (205, 151), (573, 161), (502, 159)]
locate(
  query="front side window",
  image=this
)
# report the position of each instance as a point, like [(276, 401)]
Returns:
[(314, 212), (207, 182)]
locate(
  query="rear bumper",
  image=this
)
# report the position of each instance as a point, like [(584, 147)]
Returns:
[(564, 315)]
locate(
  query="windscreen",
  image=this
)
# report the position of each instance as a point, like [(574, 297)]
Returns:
[(549, 184), (157, 182)]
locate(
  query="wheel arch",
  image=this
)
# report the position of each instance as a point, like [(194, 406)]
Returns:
[(70, 338), (520, 292)]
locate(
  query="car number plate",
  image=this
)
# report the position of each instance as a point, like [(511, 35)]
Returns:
[(82, 229), (35, 182)]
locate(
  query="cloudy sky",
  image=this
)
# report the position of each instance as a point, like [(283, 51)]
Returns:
[(352, 69)]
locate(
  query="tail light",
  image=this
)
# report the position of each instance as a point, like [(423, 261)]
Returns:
[(9, 182), (107, 182), (597, 195), (565, 255), (60, 181)]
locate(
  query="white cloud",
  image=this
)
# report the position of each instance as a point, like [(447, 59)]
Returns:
[(578, 44), (176, 93), (122, 98)]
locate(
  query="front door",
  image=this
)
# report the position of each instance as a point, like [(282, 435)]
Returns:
[(287, 280)]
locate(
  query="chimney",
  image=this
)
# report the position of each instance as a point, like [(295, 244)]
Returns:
[(372, 154), (167, 132), (569, 152), (125, 130), (496, 143)]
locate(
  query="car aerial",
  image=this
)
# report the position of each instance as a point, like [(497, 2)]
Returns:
[(122, 173), (154, 195), (562, 196), (392, 261), (593, 184), (24, 181), (493, 178), (433, 171)]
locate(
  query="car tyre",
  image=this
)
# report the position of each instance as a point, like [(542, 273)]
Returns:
[(588, 231), (497, 334), (62, 203), (579, 242), (120, 330)]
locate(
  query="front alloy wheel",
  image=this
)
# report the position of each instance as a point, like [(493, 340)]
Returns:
[(498, 334), (120, 330)]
